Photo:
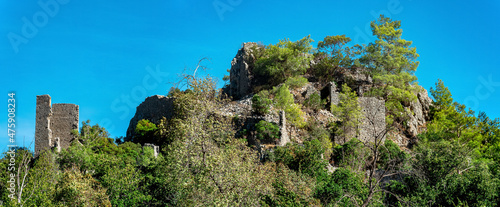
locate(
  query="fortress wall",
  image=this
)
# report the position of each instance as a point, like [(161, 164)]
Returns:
[(64, 120), (43, 134)]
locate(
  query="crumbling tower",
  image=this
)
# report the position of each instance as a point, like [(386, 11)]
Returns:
[(54, 124)]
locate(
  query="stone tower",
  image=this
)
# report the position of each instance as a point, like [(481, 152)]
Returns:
[(54, 124)]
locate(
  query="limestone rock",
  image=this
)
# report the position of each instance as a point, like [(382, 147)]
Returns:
[(154, 108), (419, 113), (241, 72)]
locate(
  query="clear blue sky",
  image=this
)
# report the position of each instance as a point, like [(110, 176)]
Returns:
[(101, 54)]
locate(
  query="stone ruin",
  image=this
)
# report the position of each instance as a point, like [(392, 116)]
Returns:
[(241, 85), (54, 123)]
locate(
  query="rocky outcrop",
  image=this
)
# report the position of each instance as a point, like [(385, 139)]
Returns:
[(240, 73), (154, 108), (419, 113)]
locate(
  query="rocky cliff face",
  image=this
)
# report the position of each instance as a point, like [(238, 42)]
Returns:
[(154, 108), (241, 74), (420, 113)]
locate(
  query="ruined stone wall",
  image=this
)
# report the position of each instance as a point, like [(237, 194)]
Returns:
[(64, 120), (54, 124), (43, 134), (372, 125), (284, 138)]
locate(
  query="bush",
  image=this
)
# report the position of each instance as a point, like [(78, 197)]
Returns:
[(351, 154), (334, 188), (284, 100), (145, 132), (260, 103), (316, 131), (305, 159), (267, 131), (144, 127), (314, 102), (296, 82)]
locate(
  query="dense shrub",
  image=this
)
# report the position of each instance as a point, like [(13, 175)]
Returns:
[(267, 131), (260, 103), (314, 102), (284, 100), (296, 82)]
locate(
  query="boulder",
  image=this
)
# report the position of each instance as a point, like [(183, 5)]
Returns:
[(154, 108)]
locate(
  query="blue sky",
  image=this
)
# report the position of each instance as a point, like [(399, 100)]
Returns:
[(107, 57)]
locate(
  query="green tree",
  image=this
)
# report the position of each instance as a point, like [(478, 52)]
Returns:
[(261, 103), (77, 189), (392, 62), (305, 159), (284, 100), (333, 54), (146, 132), (349, 113), (267, 131), (389, 54), (342, 188), (283, 60)]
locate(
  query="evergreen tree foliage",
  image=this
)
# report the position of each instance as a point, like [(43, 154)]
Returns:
[(283, 60), (348, 111)]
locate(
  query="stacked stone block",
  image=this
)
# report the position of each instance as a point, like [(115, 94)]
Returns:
[(54, 124)]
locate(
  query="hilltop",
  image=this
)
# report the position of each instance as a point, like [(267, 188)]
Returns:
[(295, 125)]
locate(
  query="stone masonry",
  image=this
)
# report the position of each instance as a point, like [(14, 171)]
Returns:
[(284, 138), (54, 123), (372, 125)]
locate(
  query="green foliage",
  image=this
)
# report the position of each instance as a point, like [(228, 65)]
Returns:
[(267, 131), (445, 173), (296, 82), (125, 186), (283, 60), (450, 120), (348, 111), (389, 154), (320, 133), (284, 100), (397, 91), (342, 188), (89, 134), (290, 188), (392, 63), (306, 159), (145, 127), (314, 102), (77, 189), (333, 54), (389, 54), (261, 103), (351, 154)]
